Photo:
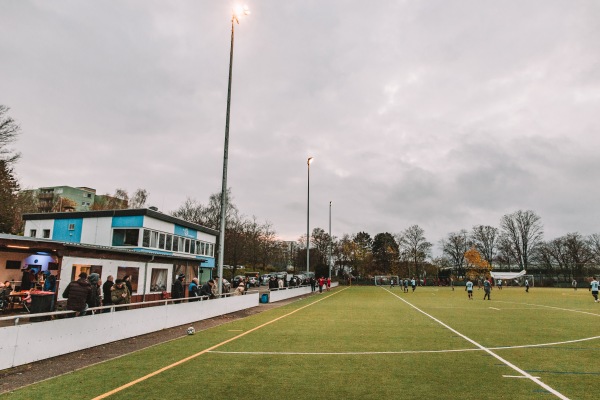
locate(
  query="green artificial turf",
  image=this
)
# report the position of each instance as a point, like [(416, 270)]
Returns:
[(370, 343)]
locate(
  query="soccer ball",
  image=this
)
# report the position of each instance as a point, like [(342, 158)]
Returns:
[(191, 330)]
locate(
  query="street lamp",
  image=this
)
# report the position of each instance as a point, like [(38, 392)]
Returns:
[(310, 159), (330, 241), (237, 13)]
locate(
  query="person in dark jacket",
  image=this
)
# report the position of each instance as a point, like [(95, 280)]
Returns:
[(26, 279), (78, 294), (206, 289), (120, 294), (96, 297), (178, 289), (127, 280), (106, 293)]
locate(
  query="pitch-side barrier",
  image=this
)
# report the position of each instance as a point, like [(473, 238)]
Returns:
[(24, 343)]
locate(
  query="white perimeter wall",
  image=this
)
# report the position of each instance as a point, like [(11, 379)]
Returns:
[(278, 295), (23, 344)]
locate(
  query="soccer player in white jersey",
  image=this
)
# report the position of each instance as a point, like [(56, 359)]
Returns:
[(594, 288), (469, 289)]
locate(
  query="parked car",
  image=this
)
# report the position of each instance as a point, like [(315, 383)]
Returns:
[(252, 281)]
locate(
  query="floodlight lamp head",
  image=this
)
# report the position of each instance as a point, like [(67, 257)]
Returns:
[(310, 160), (240, 11)]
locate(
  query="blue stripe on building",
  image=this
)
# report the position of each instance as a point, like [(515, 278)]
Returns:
[(210, 262), (187, 232), (61, 232), (133, 221)]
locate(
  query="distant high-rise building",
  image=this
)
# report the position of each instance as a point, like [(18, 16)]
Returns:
[(71, 199)]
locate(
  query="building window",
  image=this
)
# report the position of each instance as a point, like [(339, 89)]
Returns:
[(126, 237), (169, 242), (187, 246), (153, 239), (46, 233), (122, 272), (146, 239), (32, 232), (158, 279), (71, 227), (13, 264), (176, 241), (193, 247), (161, 241)]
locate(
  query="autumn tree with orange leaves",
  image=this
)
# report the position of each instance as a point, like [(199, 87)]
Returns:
[(476, 264)]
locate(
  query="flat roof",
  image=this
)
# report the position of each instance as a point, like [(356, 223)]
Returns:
[(28, 244), (120, 213)]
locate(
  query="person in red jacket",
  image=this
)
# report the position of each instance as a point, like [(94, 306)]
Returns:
[(328, 284), (321, 284)]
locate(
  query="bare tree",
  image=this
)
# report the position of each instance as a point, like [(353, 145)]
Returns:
[(454, 247), (9, 131), (417, 248), (139, 198), (524, 232), (485, 239), (191, 210)]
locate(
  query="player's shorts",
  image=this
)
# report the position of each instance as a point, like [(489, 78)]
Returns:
[(470, 291)]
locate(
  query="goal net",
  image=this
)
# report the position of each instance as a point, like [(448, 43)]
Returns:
[(386, 280), (521, 280)]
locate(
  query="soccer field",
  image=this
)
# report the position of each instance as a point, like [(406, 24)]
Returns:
[(369, 342)]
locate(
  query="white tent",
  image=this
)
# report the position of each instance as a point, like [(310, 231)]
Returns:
[(507, 275)]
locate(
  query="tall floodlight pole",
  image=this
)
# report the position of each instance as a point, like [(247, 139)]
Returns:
[(308, 217), (236, 15), (330, 240)]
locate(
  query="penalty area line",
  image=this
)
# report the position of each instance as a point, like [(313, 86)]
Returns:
[(525, 374), (175, 364)]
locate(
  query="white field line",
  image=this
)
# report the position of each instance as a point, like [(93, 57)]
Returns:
[(534, 379), (552, 307), (175, 364), (494, 308), (352, 353)]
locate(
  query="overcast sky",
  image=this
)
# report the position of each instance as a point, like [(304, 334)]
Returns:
[(445, 114)]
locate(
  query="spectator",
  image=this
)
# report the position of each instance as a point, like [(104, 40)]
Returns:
[(321, 284), (26, 280), (280, 283), (328, 284), (127, 280), (207, 289), (106, 294), (96, 297), (273, 283), (215, 288), (193, 289), (120, 294), (178, 288), (313, 284), (78, 294), (240, 289), (49, 282)]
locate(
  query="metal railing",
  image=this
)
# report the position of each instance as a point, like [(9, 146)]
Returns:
[(111, 308)]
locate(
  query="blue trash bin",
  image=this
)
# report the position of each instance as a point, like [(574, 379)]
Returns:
[(264, 298)]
